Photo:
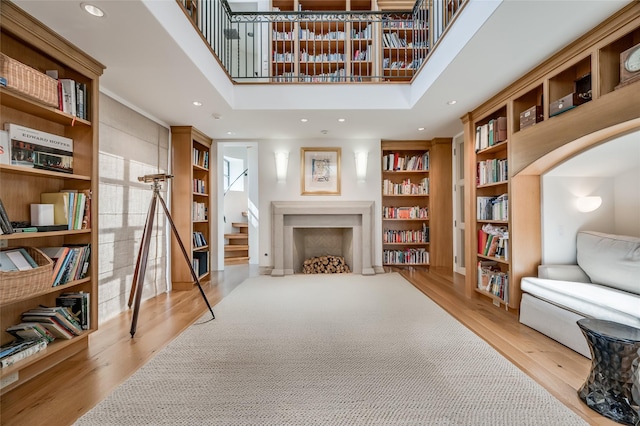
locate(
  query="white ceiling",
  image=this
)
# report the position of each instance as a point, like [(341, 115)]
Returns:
[(157, 64)]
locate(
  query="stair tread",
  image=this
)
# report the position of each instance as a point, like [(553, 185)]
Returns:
[(236, 247), (240, 225), (237, 236), (236, 260)]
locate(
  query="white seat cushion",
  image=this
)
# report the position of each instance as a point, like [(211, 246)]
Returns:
[(590, 300)]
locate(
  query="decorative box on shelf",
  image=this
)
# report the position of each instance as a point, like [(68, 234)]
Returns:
[(28, 81), (530, 116)]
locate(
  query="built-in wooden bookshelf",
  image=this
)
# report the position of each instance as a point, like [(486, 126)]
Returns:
[(30, 42), (322, 50), (404, 44), (415, 196), (191, 150), (539, 137)]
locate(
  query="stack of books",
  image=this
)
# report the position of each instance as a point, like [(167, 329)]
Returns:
[(17, 350)]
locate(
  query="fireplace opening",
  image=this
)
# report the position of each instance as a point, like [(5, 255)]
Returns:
[(332, 246)]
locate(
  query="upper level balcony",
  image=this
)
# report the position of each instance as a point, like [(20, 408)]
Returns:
[(322, 41)]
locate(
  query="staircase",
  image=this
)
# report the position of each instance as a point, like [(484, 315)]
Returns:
[(236, 249)]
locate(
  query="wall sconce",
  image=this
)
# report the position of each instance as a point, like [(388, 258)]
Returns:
[(588, 204), (282, 162), (361, 164)]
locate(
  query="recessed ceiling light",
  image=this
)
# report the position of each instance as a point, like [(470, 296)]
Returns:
[(93, 10), (452, 102), (304, 120), (342, 120), (197, 103), (230, 133), (217, 117), (420, 129)]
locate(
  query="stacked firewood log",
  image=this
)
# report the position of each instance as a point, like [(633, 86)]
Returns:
[(325, 265)]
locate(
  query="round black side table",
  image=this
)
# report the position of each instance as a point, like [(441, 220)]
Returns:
[(613, 386)]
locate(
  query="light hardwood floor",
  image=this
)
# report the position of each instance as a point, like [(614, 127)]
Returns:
[(64, 393)]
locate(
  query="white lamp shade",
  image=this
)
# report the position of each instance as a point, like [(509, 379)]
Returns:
[(588, 204), (282, 162), (361, 164)]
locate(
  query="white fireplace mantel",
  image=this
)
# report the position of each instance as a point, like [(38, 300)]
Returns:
[(287, 215)]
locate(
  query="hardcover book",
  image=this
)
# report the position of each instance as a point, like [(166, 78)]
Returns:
[(41, 150)]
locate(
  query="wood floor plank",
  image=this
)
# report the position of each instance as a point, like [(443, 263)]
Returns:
[(113, 356)]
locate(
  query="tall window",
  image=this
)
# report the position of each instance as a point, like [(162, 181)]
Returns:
[(233, 174), (227, 174)]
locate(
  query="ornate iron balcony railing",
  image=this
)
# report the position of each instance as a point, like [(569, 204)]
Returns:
[(297, 46)]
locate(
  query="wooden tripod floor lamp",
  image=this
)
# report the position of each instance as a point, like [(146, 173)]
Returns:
[(141, 263)]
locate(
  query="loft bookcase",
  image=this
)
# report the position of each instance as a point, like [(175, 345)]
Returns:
[(532, 150), (27, 40)]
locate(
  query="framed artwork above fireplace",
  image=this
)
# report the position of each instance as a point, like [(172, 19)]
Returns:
[(320, 171)]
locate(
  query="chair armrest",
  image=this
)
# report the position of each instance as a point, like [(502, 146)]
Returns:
[(563, 273)]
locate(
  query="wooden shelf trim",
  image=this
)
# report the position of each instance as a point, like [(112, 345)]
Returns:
[(29, 235), (8, 168)]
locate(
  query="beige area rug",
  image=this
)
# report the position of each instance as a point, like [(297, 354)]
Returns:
[(329, 350)]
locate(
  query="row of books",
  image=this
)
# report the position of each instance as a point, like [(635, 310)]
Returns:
[(406, 187), (362, 34), (201, 262), (199, 186), (34, 148), (416, 212), (70, 207), (406, 236), (493, 280), (5, 224), (362, 55), (493, 245), (493, 241), (323, 57), (201, 158), (305, 34), (393, 40), (493, 208), (492, 171), (398, 162), (406, 257), (199, 212), (73, 98), (17, 350), (199, 240), (491, 133), (71, 262)]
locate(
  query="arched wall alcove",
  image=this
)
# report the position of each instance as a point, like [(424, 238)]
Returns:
[(572, 171)]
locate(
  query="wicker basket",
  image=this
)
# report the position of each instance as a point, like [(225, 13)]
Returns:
[(28, 81), (17, 285)]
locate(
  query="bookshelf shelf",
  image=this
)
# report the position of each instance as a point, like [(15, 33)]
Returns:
[(30, 42), (31, 235), (55, 349), (8, 168), (20, 102)]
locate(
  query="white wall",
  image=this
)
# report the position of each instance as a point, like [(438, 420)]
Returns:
[(351, 189), (562, 221), (627, 202), (130, 145)]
